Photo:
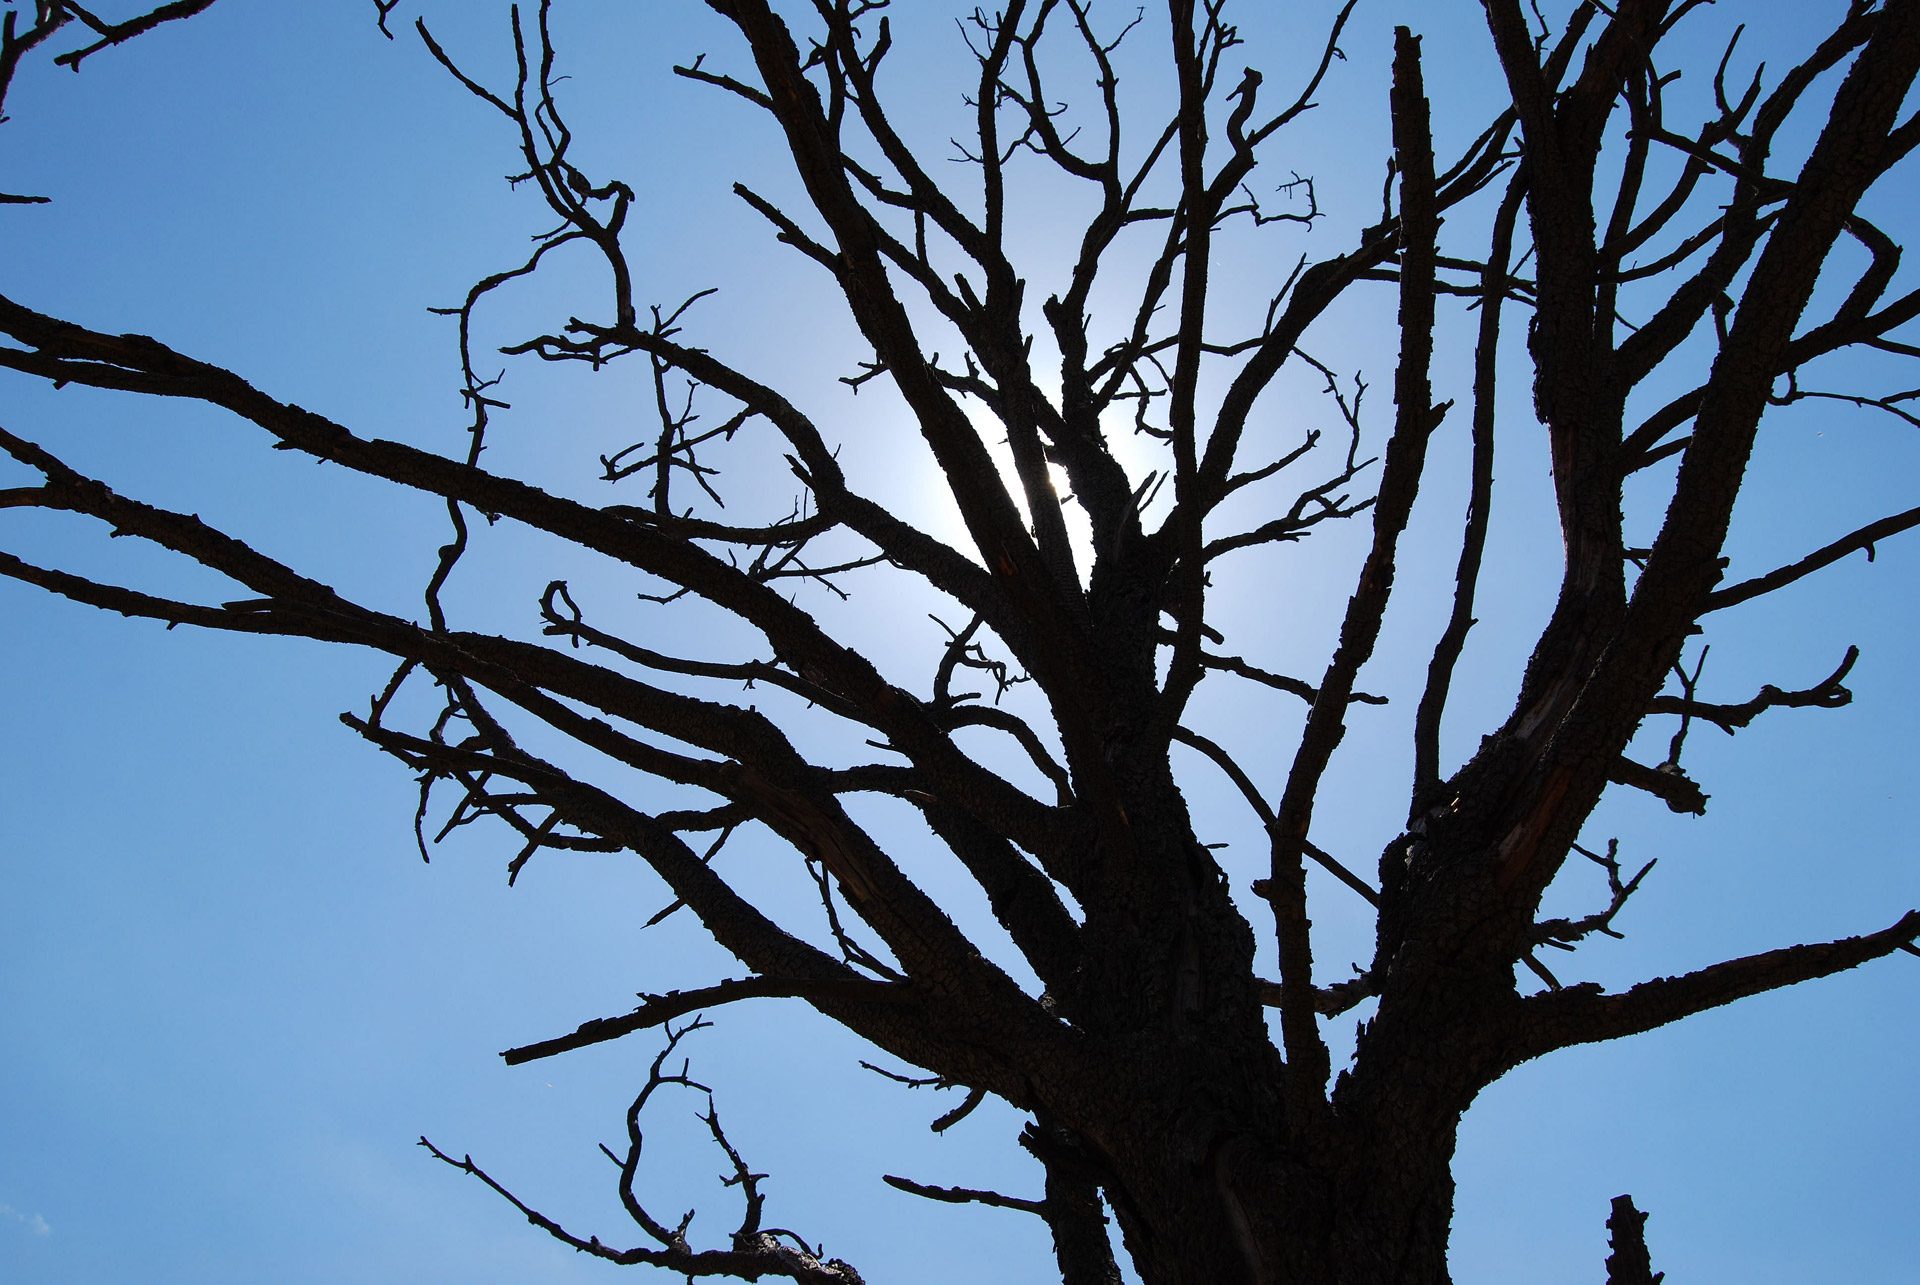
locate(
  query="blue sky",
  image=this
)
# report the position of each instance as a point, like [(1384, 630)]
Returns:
[(231, 995)]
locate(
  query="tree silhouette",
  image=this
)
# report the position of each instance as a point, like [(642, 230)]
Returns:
[(1667, 274)]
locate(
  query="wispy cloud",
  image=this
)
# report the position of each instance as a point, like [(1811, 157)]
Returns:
[(34, 1223)]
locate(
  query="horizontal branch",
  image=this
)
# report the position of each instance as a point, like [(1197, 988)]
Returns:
[(1279, 682), (1328, 1001), (661, 1009), (1864, 538), (964, 1195), (1585, 1015), (1667, 783)]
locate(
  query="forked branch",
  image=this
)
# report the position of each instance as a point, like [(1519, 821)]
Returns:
[(755, 1252)]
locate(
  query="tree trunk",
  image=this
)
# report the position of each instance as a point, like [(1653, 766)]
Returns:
[(1187, 1129), (1371, 1210)]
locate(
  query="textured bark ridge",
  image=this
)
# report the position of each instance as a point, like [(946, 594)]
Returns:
[(1182, 1102)]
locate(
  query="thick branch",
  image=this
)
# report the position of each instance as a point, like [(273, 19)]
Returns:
[(1566, 780)]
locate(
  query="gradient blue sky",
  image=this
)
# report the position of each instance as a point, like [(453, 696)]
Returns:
[(231, 995)]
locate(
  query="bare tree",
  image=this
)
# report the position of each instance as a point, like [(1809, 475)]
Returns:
[(1667, 274)]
